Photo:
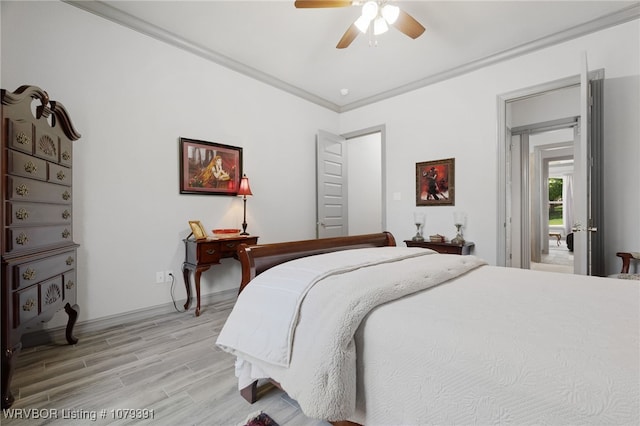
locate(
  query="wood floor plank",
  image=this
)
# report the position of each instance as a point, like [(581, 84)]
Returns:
[(167, 363)]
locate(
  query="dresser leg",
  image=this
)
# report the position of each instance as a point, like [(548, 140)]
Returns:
[(8, 362), (73, 317)]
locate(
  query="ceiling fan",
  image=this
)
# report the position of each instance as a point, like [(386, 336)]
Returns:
[(376, 16)]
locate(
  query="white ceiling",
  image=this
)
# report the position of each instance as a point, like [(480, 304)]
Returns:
[(294, 49)]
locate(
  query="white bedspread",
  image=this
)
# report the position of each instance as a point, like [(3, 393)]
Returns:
[(504, 346), (491, 346), (321, 374)]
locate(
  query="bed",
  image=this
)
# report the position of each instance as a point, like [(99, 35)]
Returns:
[(358, 330)]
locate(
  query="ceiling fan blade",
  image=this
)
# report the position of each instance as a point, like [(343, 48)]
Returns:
[(305, 4), (348, 37), (408, 25)]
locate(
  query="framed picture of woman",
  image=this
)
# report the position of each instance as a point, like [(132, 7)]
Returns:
[(209, 168)]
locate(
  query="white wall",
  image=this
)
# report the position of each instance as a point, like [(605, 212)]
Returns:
[(132, 97), (458, 118)]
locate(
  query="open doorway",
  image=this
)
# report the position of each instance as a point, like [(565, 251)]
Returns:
[(350, 182), (551, 176), (537, 109)]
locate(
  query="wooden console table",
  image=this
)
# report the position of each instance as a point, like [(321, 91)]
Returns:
[(201, 254), (446, 248)]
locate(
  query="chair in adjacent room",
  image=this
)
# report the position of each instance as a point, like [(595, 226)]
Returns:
[(627, 257)]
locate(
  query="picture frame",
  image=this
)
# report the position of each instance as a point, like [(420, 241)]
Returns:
[(198, 230), (209, 168), (435, 183)]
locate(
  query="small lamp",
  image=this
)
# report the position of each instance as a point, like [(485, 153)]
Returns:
[(244, 190), (459, 220), (418, 219)]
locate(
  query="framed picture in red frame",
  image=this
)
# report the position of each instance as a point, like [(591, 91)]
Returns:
[(209, 168), (435, 183)]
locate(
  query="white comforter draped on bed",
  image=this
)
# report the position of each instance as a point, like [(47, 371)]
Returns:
[(491, 346), (321, 374)]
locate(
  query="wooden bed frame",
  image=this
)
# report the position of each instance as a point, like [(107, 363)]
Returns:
[(258, 258)]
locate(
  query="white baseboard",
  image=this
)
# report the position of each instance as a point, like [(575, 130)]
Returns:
[(56, 334)]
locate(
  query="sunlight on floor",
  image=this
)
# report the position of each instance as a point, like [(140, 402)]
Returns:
[(559, 259)]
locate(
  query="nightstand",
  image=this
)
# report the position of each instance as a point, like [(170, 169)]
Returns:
[(446, 248), (200, 255)]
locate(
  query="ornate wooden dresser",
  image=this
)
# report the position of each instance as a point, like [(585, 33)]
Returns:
[(38, 252)]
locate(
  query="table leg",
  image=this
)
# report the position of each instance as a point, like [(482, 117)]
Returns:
[(197, 281), (185, 275)]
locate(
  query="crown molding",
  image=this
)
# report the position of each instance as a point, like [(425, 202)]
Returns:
[(616, 18), (103, 10)]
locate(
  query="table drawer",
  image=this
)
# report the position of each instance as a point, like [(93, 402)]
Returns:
[(208, 253), (26, 274), (446, 249)]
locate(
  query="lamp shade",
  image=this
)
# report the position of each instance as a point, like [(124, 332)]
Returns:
[(244, 189)]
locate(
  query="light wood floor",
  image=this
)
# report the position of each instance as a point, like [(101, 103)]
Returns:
[(168, 364)]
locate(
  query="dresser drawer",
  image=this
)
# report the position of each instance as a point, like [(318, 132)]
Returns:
[(21, 135), (26, 274), (69, 284), (66, 155), (51, 294), (20, 164), (37, 237), (23, 189), (47, 145), (59, 174), (37, 214), (26, 305)]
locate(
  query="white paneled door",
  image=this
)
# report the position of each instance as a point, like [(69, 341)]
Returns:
[(587, 189), (331, 168)]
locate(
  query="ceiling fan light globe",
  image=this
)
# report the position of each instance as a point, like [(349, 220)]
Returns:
[(362, 24), (390, 13), (370, 10), (380, 26)]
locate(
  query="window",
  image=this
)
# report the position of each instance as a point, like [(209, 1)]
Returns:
[(555, 202)]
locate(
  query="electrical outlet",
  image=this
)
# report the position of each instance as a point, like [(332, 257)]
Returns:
[(159, 277), (168, 275)]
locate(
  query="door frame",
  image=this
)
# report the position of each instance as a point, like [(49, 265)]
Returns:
[(504, 141)]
